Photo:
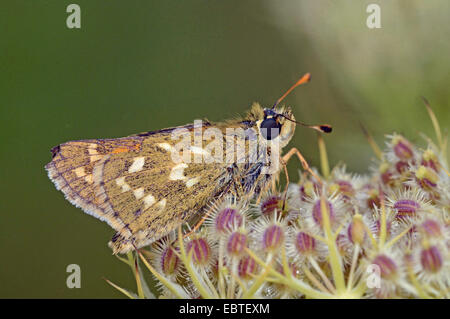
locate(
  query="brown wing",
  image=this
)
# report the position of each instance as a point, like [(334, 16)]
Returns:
[(72, 166), (132, 184)]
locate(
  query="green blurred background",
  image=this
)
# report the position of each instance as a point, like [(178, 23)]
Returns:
[(143, 65)]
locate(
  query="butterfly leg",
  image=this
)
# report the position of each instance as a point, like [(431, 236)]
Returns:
[(199, 223), (295, 151), (287, 182)]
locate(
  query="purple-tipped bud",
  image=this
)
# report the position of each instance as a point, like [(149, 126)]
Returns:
[(431, 228), (388, 268), (305, 243), (201, 251), (270, 205), (406, 208), (431, 259), (426, 178), (429, 159), (273, 238), (169, 261), (308, 189), (402, 148), (236, 243), (374, 198), (401, 166), (317, 212), (226, 219), (346, 188), (247, 267)]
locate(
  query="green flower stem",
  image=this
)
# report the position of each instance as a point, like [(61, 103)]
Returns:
[(290, 281), (124, 291), (171, 286), (353, 267), (398, 237), (325, 167), (322, 275), (138, 280), (335, 262), (260, 279)]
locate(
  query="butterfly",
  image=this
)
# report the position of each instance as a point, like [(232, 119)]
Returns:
[(146, 185)]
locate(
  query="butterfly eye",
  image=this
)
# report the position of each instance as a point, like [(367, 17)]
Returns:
[(270, 128)]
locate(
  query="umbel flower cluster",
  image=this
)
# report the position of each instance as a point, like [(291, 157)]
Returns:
[(381, 235)]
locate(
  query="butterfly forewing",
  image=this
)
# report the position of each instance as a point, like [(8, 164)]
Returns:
[(133, 184)]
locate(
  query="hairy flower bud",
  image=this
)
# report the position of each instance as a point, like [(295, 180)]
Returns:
[(431, 259), (200, 250), (426, 178), (270, 205), (317, 212), (170, 263), (388, 268), (226, 219), (236, 244), (356, 231), (247, 267), (305, 243), (273, 237)]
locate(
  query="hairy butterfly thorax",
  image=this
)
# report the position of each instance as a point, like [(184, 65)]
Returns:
[(147, 185)]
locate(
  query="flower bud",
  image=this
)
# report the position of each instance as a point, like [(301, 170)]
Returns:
[(429, 159), (305, 243), (247, 267), (373, 198), (386, 175), (401, 166), (226, 219), (170, 263), (356, 231), (402, 148), (270, 205), (388, 268), (346, 188), (426, 177), (273, 237), (431, 228), (317, 212), (236, 244), (431, 259), (307, 190), (406, 208), (201, 251)]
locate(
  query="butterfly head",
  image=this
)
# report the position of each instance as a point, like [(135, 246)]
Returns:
[(277, 125)]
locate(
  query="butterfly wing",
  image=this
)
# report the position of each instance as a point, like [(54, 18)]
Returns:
[(133, 185)]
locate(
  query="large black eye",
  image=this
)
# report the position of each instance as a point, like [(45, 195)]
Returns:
[(270, 128)]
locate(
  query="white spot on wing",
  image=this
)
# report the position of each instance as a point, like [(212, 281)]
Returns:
[(149, 200), (177, 172), (137, 164), (166, 146), (192, 181), (121, 182), (161, 204), (139, 193), (199, 150)]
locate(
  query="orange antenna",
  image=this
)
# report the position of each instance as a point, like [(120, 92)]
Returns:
[(304, 79), (324, 128)]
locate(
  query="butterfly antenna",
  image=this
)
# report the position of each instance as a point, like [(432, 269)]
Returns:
[(324, 128), (304, 79)]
